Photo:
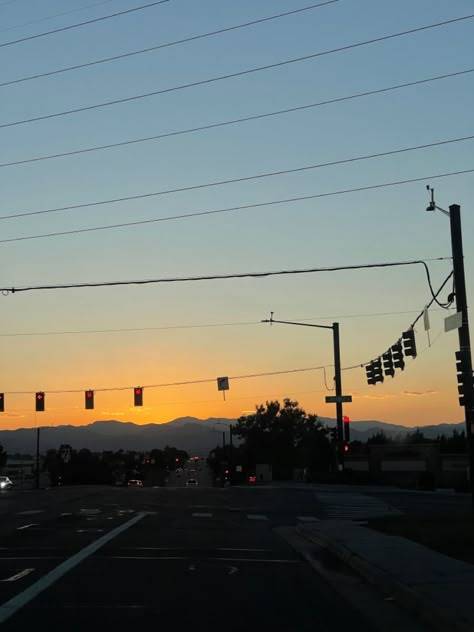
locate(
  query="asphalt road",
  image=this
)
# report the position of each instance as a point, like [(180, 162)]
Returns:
[(90, 558)]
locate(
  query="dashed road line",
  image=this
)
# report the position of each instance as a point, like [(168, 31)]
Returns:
[(30, 512), (257, 517), (27, 526), (201, 515), (20, 575)]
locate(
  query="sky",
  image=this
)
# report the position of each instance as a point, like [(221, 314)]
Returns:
[(176, 338)]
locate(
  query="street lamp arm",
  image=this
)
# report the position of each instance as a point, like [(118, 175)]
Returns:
[(287, 322)]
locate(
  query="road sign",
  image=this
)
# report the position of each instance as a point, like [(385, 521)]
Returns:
[(453, 322), (334, 399), (223, 383)]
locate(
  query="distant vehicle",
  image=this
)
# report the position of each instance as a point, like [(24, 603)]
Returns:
[(191, 482), (252, 480), (135, 482), (5, 482)]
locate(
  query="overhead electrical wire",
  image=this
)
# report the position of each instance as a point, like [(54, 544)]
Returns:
[(241, 179), (244, 119), (227, 76), (215, 277), (196, 326), (86, 23), (167, 44), (245, 207)]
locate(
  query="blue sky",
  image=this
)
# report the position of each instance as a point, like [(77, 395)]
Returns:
[(387, 224)]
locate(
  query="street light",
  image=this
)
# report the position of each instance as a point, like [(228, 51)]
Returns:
[(466, 376), (337, 376)]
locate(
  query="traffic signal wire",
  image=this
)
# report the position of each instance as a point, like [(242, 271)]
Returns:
[(216, 277), (240, 73), (167, 44), (86, 23), (237, 121), (250, 178)]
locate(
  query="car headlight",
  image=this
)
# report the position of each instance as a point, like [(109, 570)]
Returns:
[(2, 485)]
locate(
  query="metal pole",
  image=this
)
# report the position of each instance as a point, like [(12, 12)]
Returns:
[(223, 442), (463, 332), (338, 385), (37, 458)]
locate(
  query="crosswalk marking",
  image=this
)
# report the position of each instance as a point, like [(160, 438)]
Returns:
[(352, 506), (257, 517)]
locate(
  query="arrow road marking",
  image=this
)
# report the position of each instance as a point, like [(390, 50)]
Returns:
[(19, 575), (232, 570)]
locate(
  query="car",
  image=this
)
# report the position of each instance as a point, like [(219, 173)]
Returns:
[(191, 482), (5, 482), (135, 482)]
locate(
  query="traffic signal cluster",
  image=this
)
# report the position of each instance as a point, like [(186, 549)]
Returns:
[(392, 359), (465, 380), (40, 399)]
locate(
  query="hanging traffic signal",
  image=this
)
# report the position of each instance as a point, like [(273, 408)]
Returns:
[(409, 344), (378, 371), (89, 399), (465, 385), (346, 447), (369, 369), (39, 402), (388, 364), (397, 356), (2, 402), (138, 396), (347, 431)]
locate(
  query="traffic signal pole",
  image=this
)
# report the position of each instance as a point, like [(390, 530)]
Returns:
[(463, 333), (38, 458)]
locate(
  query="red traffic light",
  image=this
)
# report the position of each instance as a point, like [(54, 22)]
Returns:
[(346, 419), (177, 460), (346, 448), (138, 396), (39, 403), (89, 400)]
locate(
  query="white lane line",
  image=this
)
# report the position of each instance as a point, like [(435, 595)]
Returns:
[(246, 550), (66, 513), (10, 607), (19, 575), (30, 512), (307, 518), (202, 515), (157, 558), (27, 526), (32, 557), (257, 517)]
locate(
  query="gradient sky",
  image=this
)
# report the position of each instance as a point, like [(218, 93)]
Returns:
[(192, 331)]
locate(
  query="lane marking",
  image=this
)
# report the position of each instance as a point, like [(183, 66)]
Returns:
[(246, 550), (89, 530), (10, 607), (156, 558), (307, 518), (202, 515), (19, 575), (33, 557), (27, 526), (90, 512), (257, 517), (30, 512), (66, 513), (233, 569)]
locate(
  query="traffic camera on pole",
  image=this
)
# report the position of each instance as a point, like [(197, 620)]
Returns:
[(409, 344), (397, 355), (89, 399), (138, 396), (388, 364), (39, 402)]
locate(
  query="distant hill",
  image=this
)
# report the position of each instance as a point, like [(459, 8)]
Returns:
[(198, 436)]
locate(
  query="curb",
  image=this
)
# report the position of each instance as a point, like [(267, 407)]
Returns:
[(423, 609)]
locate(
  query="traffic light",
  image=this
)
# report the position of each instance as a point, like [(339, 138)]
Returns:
[(346, 447), (138, 396), (397, 356), (347, 431), (388, 363), (409, 344), (369, 369), (333, 434), (89, 399), (378, 371), (39, 402), (2, 402), (465, 386)]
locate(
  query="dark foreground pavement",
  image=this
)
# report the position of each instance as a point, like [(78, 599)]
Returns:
[(91, 558)]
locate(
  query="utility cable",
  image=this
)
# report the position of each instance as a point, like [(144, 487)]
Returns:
[(226, 210), (237, 121), (215, 277), (78, 24), (227, 76), (166, 45), (238, 180)]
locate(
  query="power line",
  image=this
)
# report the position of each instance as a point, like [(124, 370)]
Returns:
[(78, 24), (167, 45), (55, 15), (198, 326), (243, 179), (244, 119), (228, 209), (228, 76), (215, 277)]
